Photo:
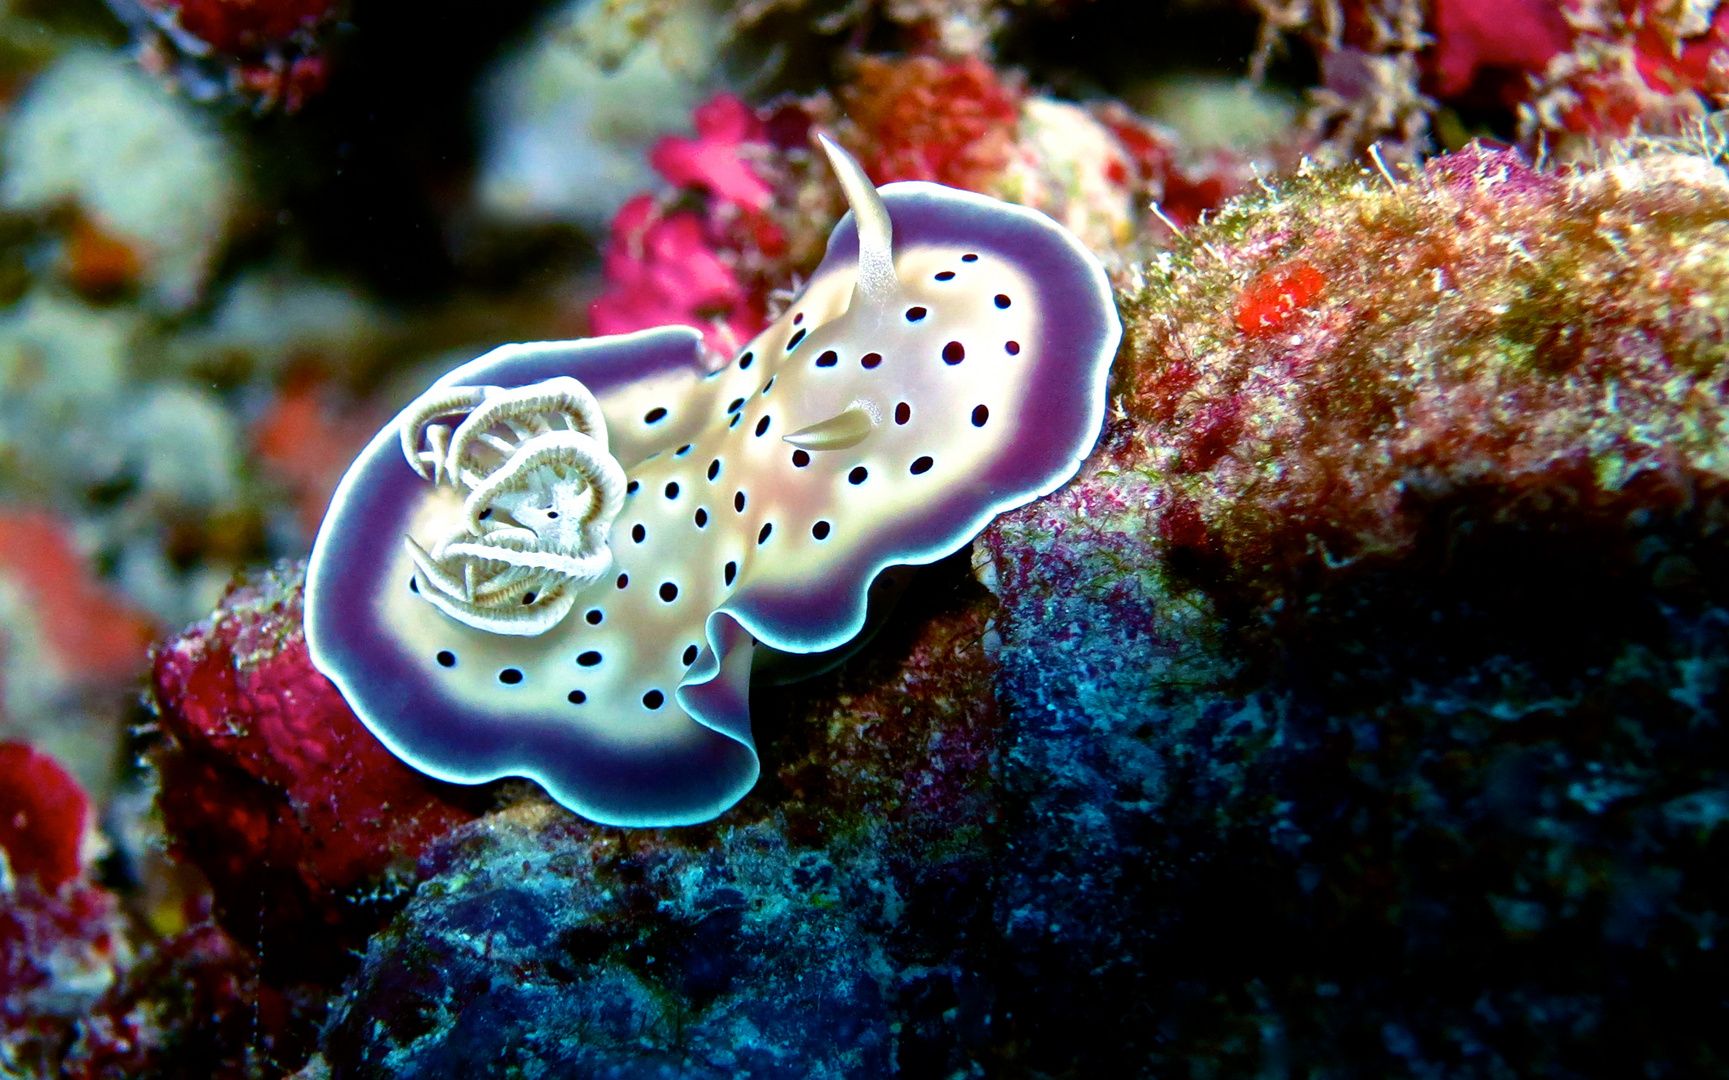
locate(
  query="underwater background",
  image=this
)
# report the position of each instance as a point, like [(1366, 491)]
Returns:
[(1356, 711)]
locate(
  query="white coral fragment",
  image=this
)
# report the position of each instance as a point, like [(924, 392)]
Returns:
[(146, 166), (540, 492)]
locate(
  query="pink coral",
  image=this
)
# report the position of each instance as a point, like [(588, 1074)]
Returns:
[(1477, 36), (748, 216), (666, 265), (713, 160), (665, 268), (1636, 66)]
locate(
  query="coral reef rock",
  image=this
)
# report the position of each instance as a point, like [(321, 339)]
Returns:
[(1364, 701), (72, 649), (63, 940), (306, 827), (813, 933)]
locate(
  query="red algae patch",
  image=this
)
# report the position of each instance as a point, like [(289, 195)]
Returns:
[(63, 941), (1274, 297), (44, 817)]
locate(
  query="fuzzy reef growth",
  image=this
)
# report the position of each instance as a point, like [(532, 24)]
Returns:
[(1338, 393), (946, 362)]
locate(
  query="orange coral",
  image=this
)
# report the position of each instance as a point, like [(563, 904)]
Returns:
[(98, 263), (87, 626), (306, 438), (924, 119)]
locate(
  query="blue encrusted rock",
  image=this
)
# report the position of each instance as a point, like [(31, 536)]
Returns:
[(789, 940), (597, 956)]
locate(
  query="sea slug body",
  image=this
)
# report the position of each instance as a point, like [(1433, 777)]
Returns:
[(557, 562)]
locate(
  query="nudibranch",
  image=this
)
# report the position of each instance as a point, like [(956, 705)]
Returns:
[(557, 562)]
